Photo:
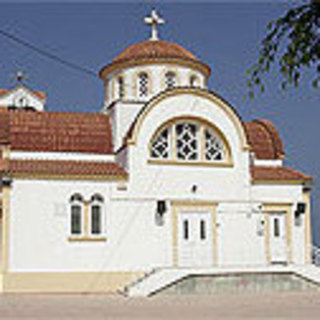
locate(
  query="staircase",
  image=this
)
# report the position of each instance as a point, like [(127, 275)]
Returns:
[(153, 281), (159, 278)]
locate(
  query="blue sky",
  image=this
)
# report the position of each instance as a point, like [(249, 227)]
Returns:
[(225, 35)]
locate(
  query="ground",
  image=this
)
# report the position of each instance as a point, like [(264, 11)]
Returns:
[(299, 305)]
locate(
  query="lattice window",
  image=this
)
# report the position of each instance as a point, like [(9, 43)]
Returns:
[(160, 145), (170, 80), (121, 87), (187, 141), (143, 84), (214, 150)]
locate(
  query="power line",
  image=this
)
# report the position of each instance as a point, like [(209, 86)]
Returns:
[(47, 54)]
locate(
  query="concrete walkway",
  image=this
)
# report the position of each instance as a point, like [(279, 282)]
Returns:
[(299, 305)]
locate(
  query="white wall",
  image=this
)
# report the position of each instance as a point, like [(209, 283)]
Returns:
[(39, 229)]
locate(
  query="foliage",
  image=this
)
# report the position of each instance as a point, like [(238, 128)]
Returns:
[(293, 42)]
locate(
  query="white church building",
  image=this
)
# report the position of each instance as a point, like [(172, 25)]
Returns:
[(167, 180)]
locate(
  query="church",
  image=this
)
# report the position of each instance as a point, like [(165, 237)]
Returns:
[(165, 182)]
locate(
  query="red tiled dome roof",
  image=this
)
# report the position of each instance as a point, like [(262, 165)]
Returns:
[(155, 50), (264, 139)]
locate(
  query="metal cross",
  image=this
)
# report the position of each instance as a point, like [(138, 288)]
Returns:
[(20, 76), (154, 20)]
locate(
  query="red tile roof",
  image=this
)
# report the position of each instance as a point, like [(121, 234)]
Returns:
[(264, 139), (41, 95), (261, 173), (155, 50), (56, 131), (62, 168)]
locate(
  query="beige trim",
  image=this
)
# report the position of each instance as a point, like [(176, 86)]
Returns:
[(197, 92), (87, 239), (189, 163), (197, 65), (86, 236), (40, 176), (203, 124), (267, 239), (5, 151), (256, 181), (86, 221), (5, 228), (286, 208), (183, 205), (307, 224), (68, 282)]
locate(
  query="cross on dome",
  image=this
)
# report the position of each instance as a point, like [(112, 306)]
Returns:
[(154, 20), (20, 76)]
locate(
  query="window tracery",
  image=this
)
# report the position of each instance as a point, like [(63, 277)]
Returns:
[(189, 141)]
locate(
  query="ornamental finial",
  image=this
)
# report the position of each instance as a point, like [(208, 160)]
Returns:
[(154, 20)]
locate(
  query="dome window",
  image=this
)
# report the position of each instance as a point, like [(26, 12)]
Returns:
[(121, 91), (194, 82), (171, 80), (143, 83)]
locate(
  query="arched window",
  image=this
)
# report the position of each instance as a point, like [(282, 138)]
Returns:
[(143, 84), (121, 91), (194, 81), (170, 80), (96, 216), (76, 214), (190, 141)]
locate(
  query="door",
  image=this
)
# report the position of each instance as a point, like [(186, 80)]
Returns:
[(278, 238), (195, 239)]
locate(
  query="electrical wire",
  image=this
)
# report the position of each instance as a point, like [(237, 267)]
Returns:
[(47, 54)]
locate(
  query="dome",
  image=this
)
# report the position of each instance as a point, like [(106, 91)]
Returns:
[(155, 49), (155, 52), (264, 139)]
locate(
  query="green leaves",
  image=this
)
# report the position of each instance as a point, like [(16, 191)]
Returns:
[(292, 43)]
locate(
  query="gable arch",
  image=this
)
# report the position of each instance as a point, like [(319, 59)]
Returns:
[(198, 92)]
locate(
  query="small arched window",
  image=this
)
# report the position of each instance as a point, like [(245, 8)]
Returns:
[(121, 91), (143, 84), (96, 216), (194, 81), (76, 214), (190, 141), (170, 80)]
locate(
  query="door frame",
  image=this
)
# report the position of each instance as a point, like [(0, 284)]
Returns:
[(273, 208), (201, 206)]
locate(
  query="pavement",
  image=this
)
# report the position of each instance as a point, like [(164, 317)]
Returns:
[(293, 305)]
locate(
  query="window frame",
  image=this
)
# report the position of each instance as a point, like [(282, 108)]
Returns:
[(148, 85), (202, 125), (76, 202), (174, 78), (100, 203), (120, 87)]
